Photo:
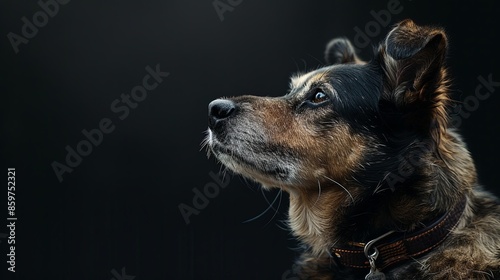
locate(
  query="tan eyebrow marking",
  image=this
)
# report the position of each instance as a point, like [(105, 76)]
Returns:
[(305, 80)]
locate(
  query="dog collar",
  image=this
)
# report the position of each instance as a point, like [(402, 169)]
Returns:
[(402, 246)]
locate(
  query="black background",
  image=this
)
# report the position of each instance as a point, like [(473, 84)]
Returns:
[(119, 207)]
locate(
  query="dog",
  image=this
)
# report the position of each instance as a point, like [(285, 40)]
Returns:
[(381, 186)]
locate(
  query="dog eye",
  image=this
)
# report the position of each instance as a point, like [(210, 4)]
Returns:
[(319, 97)]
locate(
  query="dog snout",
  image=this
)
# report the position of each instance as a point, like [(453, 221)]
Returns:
[(218, 111)]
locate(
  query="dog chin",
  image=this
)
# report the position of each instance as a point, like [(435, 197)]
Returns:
[(251, 168)]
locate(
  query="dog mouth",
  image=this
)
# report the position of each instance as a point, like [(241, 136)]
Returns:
[(256, 163)]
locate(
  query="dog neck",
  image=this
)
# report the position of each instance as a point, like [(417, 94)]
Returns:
[(312, 217), (331, 216)]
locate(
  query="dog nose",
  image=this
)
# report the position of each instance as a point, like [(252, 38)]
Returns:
[(219, 110)]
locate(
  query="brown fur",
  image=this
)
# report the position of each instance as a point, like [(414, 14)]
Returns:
[(320, 157)]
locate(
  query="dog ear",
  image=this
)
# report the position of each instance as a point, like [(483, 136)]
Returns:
[(340, 51), (415, 82), (407, 39)]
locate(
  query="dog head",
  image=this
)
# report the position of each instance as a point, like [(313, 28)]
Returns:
[(353, 129)]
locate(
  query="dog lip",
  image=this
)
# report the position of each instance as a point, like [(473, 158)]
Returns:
[(279, 172), (217, 148)]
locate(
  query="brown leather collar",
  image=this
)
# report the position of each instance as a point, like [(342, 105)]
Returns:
[(403, 246)]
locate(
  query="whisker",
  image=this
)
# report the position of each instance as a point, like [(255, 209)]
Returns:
[(330, 252), (340, 185), (379, 185), (265, 211), (305, 63), (204, 145), (296, 65), (224, 172), (247, 184), (321, 63), (319, 193), (279, 204), (265, 197)]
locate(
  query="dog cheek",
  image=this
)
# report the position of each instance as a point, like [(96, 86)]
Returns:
[(345, 155)]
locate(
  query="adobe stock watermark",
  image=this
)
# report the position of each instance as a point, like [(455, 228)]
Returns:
[(408, 164), (291, 274), (373, 28), (221, 7), (121, 276), (30, 28), (483, 90), (201, 198), (121, 107)]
